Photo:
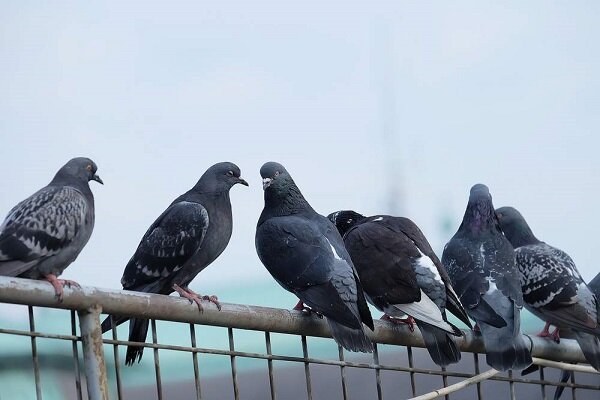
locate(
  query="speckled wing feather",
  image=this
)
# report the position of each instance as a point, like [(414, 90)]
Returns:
[(167, 245), (553, 286), (40, 226)]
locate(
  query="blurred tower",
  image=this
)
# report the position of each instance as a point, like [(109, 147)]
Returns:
[(386, 59)]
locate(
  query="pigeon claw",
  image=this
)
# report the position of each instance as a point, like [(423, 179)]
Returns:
[(58, 285), (307, 310), (190, 295), (213, 299), (410, 321)]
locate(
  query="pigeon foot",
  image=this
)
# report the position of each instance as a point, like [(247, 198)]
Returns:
[(307, 310), (410, 321), (58, 285), (194, 297)]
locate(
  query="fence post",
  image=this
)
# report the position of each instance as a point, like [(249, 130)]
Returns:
[(93, 353)]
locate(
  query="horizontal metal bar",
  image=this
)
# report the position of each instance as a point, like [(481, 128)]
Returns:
[(142, 305), (457, 386)]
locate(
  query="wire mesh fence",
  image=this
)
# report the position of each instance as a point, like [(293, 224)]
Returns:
[(244, 352)]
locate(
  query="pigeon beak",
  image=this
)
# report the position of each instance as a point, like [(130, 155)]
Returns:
[(242, 181), (267, 182), (97, 179)]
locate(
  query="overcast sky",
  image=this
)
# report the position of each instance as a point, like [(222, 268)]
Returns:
[(507, 95)]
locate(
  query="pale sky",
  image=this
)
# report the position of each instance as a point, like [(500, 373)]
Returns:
[(155, 93)]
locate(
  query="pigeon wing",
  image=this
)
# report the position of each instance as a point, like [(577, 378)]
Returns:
[(383, 260), (39, 227), (168, 244), (305, 262)]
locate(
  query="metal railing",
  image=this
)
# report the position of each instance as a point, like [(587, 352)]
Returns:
[(402, 350)]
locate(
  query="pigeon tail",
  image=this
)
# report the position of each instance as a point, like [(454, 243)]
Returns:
[(441, 347), (138, 329), (505, 348), (564, 378), (351, 339), (108, 324), (590, 346)]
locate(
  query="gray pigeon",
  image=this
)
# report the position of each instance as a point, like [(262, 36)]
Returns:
[(481, 264), (401, 275), (552, 287), (44, 234), (189, 235), (305, 254)]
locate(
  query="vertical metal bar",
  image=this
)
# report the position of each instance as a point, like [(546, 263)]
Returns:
[(542, 386), (34, 356), (343, 373), (93, 354), (511, 385), (270, 366), (377, 372), (477, 372), (573, 394), (236, 390), (117, 363), (306, 369), (412, 374), (445, 381), (76, 358), (195, 361), (159, 390)]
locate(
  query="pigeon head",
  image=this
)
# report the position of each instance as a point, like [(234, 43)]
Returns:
[(515, 228), (79, 168), (220, 178), (275, 177), (345, 219), (281, 192), (480, 214)]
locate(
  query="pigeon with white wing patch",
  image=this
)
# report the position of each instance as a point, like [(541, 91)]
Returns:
[(401, 275)]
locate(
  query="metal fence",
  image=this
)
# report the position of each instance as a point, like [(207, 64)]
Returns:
[(398, 368)]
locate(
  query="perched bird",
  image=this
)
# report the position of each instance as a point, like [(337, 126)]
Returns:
[(305, 254), (44, 234), (401, 275), (481, 264), (552, 287), (189, 235)]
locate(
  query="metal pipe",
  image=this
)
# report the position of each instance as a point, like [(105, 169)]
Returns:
[(93, 353), (457, 386), (149, 306)]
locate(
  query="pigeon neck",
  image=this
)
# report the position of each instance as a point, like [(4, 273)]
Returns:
[(286, 203), (480, 217), (520, 234), (72, 181)]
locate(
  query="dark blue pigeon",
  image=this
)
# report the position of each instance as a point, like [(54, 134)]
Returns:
[(305, 254), (481, 264), (401, 275), (553, 288), (44, 234), (189, 235)]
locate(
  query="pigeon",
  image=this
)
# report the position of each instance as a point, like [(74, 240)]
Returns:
[(44, 234), (189, 235), (401, 275), (305, 254), (481, 264), (553, 288)]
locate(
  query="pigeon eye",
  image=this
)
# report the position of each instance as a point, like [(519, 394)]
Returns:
[(276, 173), (230, 173), (88, 167)]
